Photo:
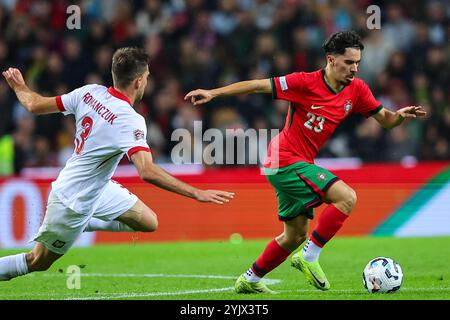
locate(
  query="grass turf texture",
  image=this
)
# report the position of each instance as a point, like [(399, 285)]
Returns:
[(188, 270)]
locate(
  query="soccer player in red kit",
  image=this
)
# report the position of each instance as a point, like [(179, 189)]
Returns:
[(319, 102)]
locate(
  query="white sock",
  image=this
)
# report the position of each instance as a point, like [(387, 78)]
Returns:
[(100, 225), (311, 251), (13, 266), (250, 276)]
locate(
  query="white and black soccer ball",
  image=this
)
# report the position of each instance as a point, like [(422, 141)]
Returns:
[(382, 275)]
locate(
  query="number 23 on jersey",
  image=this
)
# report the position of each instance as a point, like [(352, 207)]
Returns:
[(314, 122)]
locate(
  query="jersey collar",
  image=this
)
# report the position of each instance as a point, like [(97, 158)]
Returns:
[(328, 86), (119, 95)]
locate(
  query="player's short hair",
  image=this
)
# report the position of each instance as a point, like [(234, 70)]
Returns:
[(338, 42), (128, 63)]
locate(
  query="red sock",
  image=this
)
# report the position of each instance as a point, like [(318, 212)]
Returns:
[(330, 221), (271, 258)]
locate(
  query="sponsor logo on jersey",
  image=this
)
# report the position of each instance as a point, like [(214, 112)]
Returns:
[(139, 134), (347, 106), (316, 107), (321, 176)]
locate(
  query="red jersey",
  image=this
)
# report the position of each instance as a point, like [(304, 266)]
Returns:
[(315, 111)]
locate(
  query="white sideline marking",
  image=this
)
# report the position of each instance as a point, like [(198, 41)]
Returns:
[(365, 291), (152, 275), (158, 275), (70, 296), (145, 275), (119, 295), (151, 294)]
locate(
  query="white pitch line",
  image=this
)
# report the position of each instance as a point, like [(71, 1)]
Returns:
[(145, 275), (151, 275), (364, 290), (155, 294), (158, 275), (151, 294), (70, 296)]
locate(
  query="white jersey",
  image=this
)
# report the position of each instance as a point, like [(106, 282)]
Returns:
[(107, 128)]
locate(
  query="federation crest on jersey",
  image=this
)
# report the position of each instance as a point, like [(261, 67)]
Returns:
[(321, 176), (348, 106), (139, 134)]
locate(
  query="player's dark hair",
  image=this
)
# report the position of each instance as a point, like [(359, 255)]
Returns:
[(128, 63), (338, 42)]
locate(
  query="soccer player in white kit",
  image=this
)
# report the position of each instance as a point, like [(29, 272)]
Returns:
[(83, 197)]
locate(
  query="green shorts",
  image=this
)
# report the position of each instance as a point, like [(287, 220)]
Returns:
[(299, 188)]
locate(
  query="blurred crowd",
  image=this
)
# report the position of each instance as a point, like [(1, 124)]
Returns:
[(204, 44)]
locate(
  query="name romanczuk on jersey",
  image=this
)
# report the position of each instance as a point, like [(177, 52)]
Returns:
[(95, 105)]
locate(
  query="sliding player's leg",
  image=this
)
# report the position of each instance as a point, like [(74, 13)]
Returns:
[(59, 231), (39, 259)]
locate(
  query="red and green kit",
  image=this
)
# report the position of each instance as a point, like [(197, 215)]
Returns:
[(315, 111)]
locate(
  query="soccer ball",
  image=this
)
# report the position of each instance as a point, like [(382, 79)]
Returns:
[(382, 275)]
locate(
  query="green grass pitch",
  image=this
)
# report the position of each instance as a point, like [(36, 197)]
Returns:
[(207, 271)]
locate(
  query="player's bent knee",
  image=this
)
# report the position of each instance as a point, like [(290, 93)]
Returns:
[(151, 227), (349, 201), (352, 198), (151, 223)]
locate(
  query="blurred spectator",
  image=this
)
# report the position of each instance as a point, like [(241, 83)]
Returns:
[(436, 12), (154, 18), (368, 141), (159, 61), (400, 144), (378, 48), (102, 64), (263, 12), (398, 28), (66, 138), (224, 20)]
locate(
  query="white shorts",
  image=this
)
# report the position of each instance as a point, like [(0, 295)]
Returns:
[(62, 226)]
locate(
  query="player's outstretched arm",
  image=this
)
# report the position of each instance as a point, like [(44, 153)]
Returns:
[(152, 173), (202, 96), (389, 119), (32, 101)]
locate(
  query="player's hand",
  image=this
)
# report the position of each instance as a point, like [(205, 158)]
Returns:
[(411, 112), (14, 78), (199, 96), (215, 196)]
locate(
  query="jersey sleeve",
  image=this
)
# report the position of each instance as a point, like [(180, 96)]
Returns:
[(367, 105), (133, 137), (67, 103), (288, 87)]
